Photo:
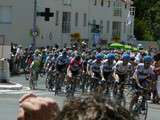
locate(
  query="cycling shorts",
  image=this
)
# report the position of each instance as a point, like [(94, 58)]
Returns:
[(75, 73), (106, 75), (60, 68)]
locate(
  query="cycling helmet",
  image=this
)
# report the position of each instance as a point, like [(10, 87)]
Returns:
[(148, 58), (77, 57), (105, 56), (98, 56), (50, 54), (64, 53), (36, 51), (132, 58), (111, 56), (126, 57)]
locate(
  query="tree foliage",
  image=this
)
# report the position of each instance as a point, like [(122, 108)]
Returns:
[(147, 19)]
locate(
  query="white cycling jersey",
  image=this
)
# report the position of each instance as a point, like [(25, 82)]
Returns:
[(142, 73), (106, 67), (96, 67), (122, 69)]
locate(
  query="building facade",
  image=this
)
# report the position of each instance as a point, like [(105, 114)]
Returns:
[(57, 19)]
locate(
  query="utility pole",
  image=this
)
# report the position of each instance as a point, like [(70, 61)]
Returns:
[(34, 29)]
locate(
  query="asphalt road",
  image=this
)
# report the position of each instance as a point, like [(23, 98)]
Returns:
[(9, 100)]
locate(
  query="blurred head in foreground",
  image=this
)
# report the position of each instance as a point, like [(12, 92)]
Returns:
[(93, 108)]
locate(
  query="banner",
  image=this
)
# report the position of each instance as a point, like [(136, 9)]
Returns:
[(129, 19), (96, 38)]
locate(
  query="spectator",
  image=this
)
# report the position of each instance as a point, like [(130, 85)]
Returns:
[(157, 72)]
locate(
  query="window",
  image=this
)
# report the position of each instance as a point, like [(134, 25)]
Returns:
[(102, 2), (117, 3), (125, 5), (57, 18), (124, 29), (67, 2), (109, 3), (101, 26), (76, 19), (66, 22), (132, 10), (84, 19), (108, 26), (94, 22), (5, 14), (117, 9), (116, 29), (131, 28), (95, 2), (117, 12), (93, 26)]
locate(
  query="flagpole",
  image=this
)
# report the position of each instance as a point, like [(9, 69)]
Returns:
[(128, 24), (34, 23)]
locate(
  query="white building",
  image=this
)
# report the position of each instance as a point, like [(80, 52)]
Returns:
[(16, 20)]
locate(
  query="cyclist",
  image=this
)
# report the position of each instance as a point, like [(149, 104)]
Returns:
[(96, 71), (121, 72), (35, 66), (107, 69), (62, 62), (74, 67), (95, 67), (73, 71), (122, 67), (61, 67), (48, 62), (143, 76)]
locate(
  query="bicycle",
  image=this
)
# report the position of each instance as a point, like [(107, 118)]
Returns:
[(118, 91), (72, 85), (33, 80), (97, 85), (85, 82), (140, 108), (50, 80), (26, 73), (59, 81)]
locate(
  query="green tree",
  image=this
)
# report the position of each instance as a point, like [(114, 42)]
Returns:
[(147, 19)]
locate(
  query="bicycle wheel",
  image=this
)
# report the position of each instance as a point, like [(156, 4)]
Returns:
[(46, 81), (140, 110), (32, 83), (34, 78), (26, 76), (143, 111), (83, 84), (26, 73), (57, 84), (51, 82), (121, 99), (68, 90)]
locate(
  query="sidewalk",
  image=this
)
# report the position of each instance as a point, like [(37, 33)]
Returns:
[(10, 86)]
